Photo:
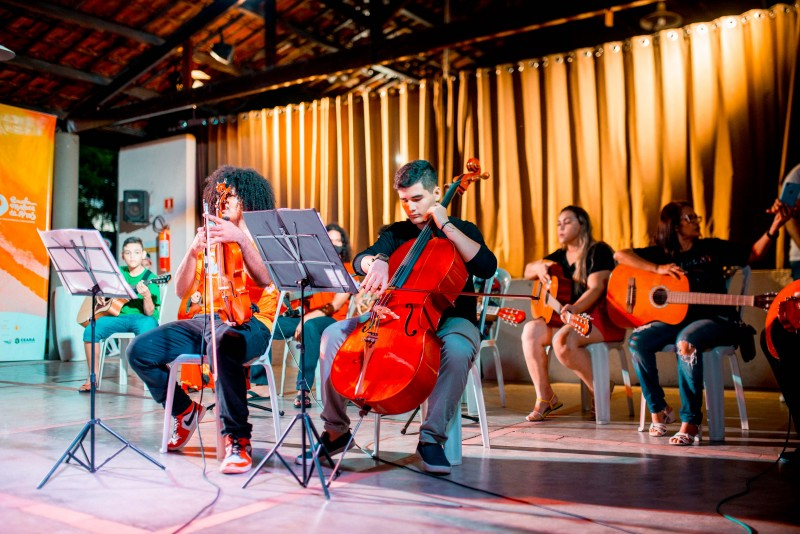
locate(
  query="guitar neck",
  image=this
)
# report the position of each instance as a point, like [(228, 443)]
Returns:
[(712, 299), (553, 303)]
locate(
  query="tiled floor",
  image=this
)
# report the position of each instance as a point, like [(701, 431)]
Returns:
[(564, 475)]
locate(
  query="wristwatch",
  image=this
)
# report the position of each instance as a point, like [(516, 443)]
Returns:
[(381, 256)]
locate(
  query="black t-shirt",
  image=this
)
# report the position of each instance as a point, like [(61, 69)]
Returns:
[(600, 257), (705, 266), (483, 265)]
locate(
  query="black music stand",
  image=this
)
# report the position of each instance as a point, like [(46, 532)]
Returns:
[(296, 249), (85, 266)]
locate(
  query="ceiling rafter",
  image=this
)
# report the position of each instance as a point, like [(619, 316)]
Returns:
[(86, 20), (425, 42), (154, 56)]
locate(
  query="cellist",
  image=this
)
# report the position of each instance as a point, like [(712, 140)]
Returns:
[(417, 187), (237, 344)]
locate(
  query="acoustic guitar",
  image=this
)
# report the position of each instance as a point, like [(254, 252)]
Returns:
[(546, 302), (786, 309), (636, 297), (110, 306)]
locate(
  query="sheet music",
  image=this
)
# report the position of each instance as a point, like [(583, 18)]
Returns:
[(81, 257), (294, 245)]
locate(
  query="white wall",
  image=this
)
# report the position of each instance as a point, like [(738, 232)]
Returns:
[(165, 169)]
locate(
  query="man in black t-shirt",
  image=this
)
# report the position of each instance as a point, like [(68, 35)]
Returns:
[(417, 186)]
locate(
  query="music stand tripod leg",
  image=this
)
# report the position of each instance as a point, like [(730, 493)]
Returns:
[(307, 427), (82, 257)]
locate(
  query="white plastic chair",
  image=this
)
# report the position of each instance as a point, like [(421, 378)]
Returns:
[(601, 381), (200, 359), (197, 359), (714, 383), (113, 345), (452, 447), (490, 342)]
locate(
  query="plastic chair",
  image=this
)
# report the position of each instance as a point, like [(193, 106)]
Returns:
[(601, 381), (452, 447), (714, 383), (490, 340), (113, 345), (200, 359), (117, 345)]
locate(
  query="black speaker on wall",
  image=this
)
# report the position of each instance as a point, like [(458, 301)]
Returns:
[(135, 206)]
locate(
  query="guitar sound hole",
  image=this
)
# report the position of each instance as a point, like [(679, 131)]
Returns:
[(660, 297)]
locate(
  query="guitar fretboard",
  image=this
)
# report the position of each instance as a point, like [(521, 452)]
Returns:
[(713, 299)]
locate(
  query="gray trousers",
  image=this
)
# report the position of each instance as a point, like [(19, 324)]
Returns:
[(461, 342)]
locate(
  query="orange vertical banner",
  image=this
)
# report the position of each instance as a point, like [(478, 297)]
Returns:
[(27, 143)]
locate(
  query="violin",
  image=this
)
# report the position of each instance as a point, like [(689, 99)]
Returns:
[(226, 275), (391, 367)]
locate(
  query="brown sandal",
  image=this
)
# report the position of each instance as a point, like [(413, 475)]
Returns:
[(553, 404)]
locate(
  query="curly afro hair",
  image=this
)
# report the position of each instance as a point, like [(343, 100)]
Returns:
[(254, 191)]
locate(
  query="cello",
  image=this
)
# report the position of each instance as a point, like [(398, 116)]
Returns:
[(391, 368)]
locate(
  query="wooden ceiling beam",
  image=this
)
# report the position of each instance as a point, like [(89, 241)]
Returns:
[(86, 20), (155, 55), (421, 43)]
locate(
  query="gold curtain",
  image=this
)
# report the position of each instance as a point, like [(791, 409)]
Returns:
[(695, 113)]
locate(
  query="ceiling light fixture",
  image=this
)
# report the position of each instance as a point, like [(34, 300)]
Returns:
[(660, 19), (6, 54), (222, 51)]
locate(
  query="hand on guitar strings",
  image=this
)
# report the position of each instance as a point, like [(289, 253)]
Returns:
[(143, 290), (671, 269)]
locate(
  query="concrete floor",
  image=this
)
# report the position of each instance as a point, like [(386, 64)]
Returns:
[(564, 475)]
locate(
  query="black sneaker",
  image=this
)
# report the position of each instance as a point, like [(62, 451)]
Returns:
[(433, 459), (334, 447)]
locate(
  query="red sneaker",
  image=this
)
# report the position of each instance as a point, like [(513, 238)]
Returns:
[(184, 425), (237, 456)]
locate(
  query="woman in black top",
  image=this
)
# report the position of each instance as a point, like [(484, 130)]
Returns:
[(680, 251), (588, 263)]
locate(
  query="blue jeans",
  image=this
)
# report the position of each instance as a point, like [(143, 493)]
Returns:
[(703, 335), (460, 344), (312, 337), (110, 324), (150, 353)]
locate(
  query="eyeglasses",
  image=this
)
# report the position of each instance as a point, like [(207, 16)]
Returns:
[(691, 218)]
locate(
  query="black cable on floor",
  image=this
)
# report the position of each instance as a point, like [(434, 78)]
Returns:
[(506, 497), (216, 498), (752, 479)]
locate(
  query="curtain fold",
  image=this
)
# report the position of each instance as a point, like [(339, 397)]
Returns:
[(696, 113)]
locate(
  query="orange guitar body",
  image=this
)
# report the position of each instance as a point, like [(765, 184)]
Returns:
[(785, 309), (634, 297), (560, 289)]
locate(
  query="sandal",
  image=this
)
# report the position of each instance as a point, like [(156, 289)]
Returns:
[(552, 405), (85, 388), (683, 439), (298, 400), (659, 430)]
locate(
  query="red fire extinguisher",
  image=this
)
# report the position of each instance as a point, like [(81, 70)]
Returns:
[(163, 250)]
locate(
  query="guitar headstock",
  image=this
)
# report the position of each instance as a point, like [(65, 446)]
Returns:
[(581, 323), (764, 301), (511, 315)]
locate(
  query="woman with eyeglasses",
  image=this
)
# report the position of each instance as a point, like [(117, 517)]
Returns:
[(681, 251), (586, 264)]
